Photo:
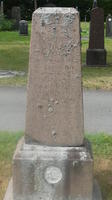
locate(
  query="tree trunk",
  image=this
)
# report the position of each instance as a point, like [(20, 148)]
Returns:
[(35, 4)]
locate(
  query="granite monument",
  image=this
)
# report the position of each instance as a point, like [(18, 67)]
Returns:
[(16, 16), (54, 161), (109, 26), (23, 27), (96, 53)]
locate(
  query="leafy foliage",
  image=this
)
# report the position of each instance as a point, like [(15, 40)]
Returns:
[(5, 24), (27, 6)]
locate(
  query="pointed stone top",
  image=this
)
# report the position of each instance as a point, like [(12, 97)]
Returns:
[(55, 10)]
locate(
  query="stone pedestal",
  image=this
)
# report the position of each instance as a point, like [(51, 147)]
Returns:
[(42, 172), (54, 162), (96, 57), (96, 53), (96, 191)]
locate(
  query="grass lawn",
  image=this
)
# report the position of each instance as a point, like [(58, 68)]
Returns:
[(102, 148), (15, 81), (7, 146), (14, 51), (14, 55)]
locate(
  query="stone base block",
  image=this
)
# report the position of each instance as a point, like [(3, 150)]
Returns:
[(109, 35), (52, 173), (96, 192), (96, 57)]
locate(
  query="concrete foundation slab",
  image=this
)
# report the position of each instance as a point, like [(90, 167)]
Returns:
[(96, 192)]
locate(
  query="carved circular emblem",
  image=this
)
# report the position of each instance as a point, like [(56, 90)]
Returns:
[(110, 19), (53, 175)]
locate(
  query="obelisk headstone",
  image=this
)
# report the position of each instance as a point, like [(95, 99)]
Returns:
[(96, 53), (53, 75), (54, 162), (16, 16), (109, 26)]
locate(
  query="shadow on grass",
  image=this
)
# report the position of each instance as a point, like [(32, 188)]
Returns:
[(103, 173)]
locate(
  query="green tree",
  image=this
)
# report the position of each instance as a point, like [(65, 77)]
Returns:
[(27, 6)]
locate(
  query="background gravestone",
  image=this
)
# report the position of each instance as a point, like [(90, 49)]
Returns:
[(23, 27), (109, 26), (49, 5), (96, 54), (94, 3), (16, 16)]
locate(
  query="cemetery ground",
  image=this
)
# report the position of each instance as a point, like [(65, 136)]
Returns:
[(14, 55)]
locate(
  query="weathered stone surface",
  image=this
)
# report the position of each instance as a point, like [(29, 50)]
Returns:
[(54, 108), (60, 172), (23, 27), (109, 26), (96, 54), (16, 16)]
